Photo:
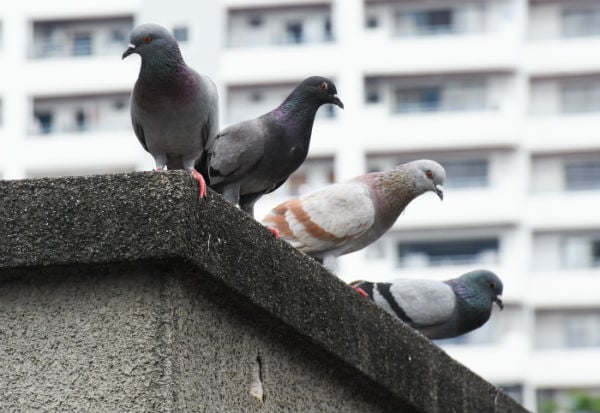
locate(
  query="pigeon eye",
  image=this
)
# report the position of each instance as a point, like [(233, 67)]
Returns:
[(493, 285), (147, 39), (429, 174), (323, 86)]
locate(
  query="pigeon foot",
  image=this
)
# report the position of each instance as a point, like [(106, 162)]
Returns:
[(198, 177), (275, 232), (360, 291)]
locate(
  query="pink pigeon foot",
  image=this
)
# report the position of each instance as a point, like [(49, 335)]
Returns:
[(360, 291), (275, 232), (198, 177)]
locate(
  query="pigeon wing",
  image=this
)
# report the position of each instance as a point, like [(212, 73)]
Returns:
[(421, 303), (236, 150), (325, 219)]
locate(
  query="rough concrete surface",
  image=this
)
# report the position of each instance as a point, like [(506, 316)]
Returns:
[(126, 292)]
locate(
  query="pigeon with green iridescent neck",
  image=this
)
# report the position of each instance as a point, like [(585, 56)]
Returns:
[(174, 110), (345, 217), (255, 157), (438, 309)]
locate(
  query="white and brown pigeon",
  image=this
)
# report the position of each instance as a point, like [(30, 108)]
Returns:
[(438, 309), (255, 157), (174, 110), (346, 217)]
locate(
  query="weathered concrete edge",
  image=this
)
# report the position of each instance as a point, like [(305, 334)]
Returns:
[(236, 250)]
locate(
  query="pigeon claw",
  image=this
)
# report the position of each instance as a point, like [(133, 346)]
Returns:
[(275, 232), (198, 177), (360, 291)]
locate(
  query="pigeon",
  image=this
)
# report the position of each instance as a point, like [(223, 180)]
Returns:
[(174, 110), (345, 217), (438, 309), (254, 157)]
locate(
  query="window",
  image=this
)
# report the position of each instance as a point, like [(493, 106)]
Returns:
[(81, 122), (82, 44), (442, 253), (118, 36), (294, 32), (78, 113), (453, 96), (327, 30), (314, 173), (567, 329), (582, 176), (372, 22), (425, 99), (426, 22), (581, 251), (472, 173), (581, 22), (44, 121), (581, 96), (181, 33), (583, 330), (255, 21), (256, 97), (372, 94)]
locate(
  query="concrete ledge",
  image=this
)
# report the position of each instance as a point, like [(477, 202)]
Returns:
[(198, 301)]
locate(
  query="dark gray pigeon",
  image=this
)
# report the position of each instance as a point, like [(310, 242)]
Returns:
[(438, 309), (174, 110), (255, 157)]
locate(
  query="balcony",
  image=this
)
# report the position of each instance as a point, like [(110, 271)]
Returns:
[(564, 36), (80, 114), (433, 34), (277, 26), (80, 38)]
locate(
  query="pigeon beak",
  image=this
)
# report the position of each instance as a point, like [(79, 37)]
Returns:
[(336, 101), (498, 301), (130, 50), (439, 190)]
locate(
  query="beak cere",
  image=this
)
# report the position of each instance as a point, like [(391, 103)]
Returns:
[(439, 190), (130, 50), (498, 301), (336, 101)]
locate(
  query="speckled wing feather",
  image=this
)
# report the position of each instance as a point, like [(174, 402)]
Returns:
[(326, 218)]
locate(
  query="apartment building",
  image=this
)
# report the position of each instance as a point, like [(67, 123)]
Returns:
[(504, 93)]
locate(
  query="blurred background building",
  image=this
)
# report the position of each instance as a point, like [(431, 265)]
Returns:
[(504, 93)]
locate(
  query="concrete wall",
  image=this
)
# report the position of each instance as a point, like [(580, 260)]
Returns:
[(126, 292)]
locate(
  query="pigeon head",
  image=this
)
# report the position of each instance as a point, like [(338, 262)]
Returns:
[(429, 176), (149, 40), (486, 284), (321, 89)]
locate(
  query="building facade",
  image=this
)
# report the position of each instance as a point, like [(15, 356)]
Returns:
[(504, 93)]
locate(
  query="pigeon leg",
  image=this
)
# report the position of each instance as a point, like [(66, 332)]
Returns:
[(160, 161), (330, 262), (231, 192), (360, 291), (198, 177)]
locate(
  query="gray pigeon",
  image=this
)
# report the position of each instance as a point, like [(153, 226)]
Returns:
[(438, 309), (255, 157), (346, 217), (174, 110)]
